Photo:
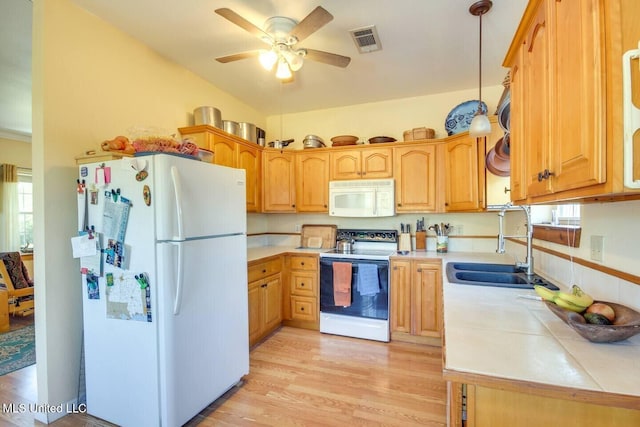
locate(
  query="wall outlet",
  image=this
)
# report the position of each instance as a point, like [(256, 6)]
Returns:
[(458, 230), (298, 228), (597, 248)]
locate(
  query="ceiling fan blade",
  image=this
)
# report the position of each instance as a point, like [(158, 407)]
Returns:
[(230, 15), (317, 19), (238, 56), (327, 58)]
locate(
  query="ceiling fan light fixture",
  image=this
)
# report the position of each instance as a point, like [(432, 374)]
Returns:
[(283, 72), (268, 59), (293, 58)]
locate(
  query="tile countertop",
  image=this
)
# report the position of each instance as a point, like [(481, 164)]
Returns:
[(493, 332)]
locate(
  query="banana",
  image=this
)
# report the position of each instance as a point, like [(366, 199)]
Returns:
[(546, 293), (577, 297), (568, 305)]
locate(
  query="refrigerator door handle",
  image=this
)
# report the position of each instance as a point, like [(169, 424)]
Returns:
[(177, 303), (177, 191)]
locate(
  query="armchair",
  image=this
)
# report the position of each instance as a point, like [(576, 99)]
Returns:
[(15, 281)]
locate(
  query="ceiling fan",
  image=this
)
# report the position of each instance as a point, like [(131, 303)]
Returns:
[(283, 34)]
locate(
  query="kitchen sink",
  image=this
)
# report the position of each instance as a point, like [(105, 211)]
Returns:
[(498, 275)]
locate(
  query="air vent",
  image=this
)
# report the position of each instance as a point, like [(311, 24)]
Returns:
[(366, 39)]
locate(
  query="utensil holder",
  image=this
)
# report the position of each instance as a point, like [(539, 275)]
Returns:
[(421, 240), (404, 242), (442, 244)]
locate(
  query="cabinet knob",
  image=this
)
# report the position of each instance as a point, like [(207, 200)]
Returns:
[(293, 206), (301, 308), (302, 284), (264, 271), (364, 173), (263, 285), (419, 270), (544, 175), (399, 204)]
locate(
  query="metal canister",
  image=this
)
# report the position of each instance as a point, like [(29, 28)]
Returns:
[(207, 116)]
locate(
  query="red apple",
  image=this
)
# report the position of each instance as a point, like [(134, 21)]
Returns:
[(603, 309)]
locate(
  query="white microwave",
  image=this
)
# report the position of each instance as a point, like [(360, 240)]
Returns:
[(362, 198)]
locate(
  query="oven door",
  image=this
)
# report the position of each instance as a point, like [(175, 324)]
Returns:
[(367, 306)]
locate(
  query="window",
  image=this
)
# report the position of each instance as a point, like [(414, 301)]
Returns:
[(25, 209), (562, 214)]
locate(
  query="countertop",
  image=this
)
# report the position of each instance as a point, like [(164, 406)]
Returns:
[(494, 332)]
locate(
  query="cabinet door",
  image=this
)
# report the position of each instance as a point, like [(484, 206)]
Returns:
[(578, 94), (427, 299), (224, 150), (535, 104), (376, 163), (400, 310), (272, 302), (312, 181), (255, 311), (345, 165), (250, 159), (497, 187), (279, 181), (415, 174), (517, 147), (462, 186)]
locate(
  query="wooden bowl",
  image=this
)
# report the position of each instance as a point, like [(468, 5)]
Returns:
[(344, 140), (626, 324)]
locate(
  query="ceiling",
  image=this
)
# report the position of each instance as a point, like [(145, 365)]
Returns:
[(428, 47)]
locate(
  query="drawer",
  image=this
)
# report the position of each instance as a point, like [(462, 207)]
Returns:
[(299, 262), (304, 308), (264, 269), (303, 283)]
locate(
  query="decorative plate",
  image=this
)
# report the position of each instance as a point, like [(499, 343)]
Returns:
[(459, 119)]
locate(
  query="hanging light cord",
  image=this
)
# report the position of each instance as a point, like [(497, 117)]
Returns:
[(480, 67)]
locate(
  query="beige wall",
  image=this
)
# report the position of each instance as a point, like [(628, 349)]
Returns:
[(15, 152), (388, 118), (90, 82)]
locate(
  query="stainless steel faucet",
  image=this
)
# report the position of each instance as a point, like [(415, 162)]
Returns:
[(528, 264)]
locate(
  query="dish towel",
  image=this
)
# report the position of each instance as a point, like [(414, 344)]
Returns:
[(367, 282), (342, 283)]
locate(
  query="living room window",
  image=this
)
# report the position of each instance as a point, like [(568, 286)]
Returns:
[(25, 209)]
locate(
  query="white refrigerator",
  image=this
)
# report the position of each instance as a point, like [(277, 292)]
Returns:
[(165, 298)]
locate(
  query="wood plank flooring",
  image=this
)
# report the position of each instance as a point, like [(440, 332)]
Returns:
[(305, 378)]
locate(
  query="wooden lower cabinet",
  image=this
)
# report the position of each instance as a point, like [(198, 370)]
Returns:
[(265, 298), (416, 301), (497, 407), (301, 291)]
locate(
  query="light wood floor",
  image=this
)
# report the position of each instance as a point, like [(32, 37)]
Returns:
[(305, 378)]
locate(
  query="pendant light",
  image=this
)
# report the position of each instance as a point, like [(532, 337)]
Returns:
[(480, 125)]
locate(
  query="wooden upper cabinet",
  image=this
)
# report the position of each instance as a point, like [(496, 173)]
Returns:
[(517, 147), (249, 158), (279, 181), (414, 171), (224, 150), (312, 181), (578, 101), (536, 109), (463, 161), (366, 163), (567, 101)]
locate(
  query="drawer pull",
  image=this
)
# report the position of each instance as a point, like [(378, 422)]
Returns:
[(302, 284)]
